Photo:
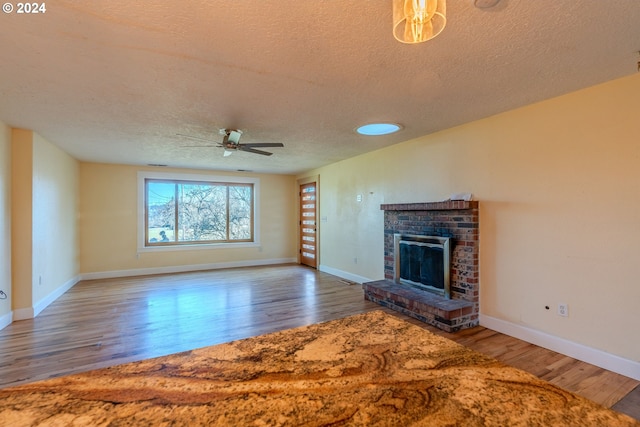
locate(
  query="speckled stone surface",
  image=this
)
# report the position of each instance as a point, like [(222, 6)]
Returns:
[(369, 369)]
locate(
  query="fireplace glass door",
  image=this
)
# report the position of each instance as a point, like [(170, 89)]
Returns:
[(423, 262)]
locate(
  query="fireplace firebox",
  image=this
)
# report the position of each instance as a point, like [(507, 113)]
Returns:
[(423, 262)]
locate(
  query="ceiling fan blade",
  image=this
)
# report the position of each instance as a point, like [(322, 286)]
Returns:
[(264, 144), (251, 150), (195, 138), (230, 142)]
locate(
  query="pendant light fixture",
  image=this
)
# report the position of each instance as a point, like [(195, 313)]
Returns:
[(416, 21)]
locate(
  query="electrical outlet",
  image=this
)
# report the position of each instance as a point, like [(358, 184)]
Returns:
[(563, 310)]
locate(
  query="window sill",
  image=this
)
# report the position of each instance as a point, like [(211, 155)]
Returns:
[(199, 247)]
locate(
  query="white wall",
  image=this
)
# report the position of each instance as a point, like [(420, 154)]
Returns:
[(558, 184)]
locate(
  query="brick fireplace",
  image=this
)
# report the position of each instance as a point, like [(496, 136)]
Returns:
[(457, 220)]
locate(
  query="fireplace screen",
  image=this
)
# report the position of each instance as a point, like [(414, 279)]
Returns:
[(423, 262)]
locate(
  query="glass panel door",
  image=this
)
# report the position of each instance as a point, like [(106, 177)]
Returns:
[(308, 229)]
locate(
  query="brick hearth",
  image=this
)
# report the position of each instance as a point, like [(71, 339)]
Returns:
[(456, 219)]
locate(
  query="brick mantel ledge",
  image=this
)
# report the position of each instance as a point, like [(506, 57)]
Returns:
[(447, 205)]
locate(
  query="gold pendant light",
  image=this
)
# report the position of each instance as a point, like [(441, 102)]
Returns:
[(416, 21)]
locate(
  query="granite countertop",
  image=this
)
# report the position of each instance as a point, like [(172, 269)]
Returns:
[(370, 369)]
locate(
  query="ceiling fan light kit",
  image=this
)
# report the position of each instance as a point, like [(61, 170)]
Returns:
[(232, 135)]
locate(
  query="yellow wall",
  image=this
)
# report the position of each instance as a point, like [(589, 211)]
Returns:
[(558, 184), (43, 223), (5, 222), (21, 215), (109, 215), (55, 204)]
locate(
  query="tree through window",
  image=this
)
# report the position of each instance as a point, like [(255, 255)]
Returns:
[(189, 212)]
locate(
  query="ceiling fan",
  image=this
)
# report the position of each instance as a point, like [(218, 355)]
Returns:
[(231, 143)]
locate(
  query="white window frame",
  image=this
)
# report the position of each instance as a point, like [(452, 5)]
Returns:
[(144, 175)]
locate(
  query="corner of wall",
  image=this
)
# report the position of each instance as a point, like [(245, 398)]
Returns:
[(5, 225), (6, 319)]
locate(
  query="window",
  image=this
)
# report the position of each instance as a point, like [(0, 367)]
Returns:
[(187, 210)]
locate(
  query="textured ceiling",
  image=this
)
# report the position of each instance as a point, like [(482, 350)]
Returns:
[(116, 81)]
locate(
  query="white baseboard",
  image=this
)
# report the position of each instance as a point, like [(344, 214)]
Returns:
[(44, 302), (344, 274), (6, 320), (184, 268), (31, 312), (608, 361)]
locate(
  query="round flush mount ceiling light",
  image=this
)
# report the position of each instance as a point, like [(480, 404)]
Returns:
[(373, 129)]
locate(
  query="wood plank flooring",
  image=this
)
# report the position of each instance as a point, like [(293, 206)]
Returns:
[(101, 323)]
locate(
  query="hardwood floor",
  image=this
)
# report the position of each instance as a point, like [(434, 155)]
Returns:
[(101, 323)]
